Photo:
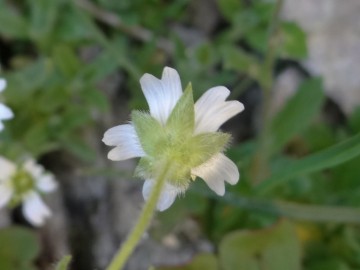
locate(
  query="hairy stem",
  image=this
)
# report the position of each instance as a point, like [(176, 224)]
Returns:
[(259, 167), (143, 222)]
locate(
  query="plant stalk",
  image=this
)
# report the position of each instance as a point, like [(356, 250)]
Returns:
[(121, 257), (259, 166)]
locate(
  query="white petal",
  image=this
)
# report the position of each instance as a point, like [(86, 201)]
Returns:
[(2, 85), (215, 171), (172, 84), (211, 110), (127, 142), (46, 183), (35, 210), (5, 194), (7, 169), (121, 134), (5, 112), (167, 196), (36, 170), (162, 95)]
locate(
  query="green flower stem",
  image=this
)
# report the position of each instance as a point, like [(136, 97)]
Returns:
[(147, 213), (259, 166)]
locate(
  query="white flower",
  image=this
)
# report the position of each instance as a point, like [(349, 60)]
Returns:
[(5, 112), (180, 131), (23, 185)]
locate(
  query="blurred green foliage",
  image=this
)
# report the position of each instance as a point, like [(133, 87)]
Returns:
[(19, 248), (59, 52), (274, 248), (64, 263)]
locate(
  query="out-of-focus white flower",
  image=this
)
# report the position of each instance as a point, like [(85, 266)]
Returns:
[(178, 132), (5, 112), (24, 184)]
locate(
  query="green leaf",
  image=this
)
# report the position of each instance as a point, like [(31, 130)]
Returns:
[(205, 54), (12, 24), (324, 159), (95, 71), (181, 121), (293, 41), (330, 264), (51, 100), (71, 28), (258, 38), (298, 113), (244, 23), (229, 8), (94, 97), (19, 248), (319, 136), (274, 248), (64, 263), (25, 81), (204, 261), (78, 147), (72, 119), (66, 60), (239, 60), (43, 17), (354, 120), (36, 138)]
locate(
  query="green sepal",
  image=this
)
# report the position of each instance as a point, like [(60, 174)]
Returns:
[(181, 121), (22, 182), (206, 145), (145, 168), (175, 142), (149, 131)]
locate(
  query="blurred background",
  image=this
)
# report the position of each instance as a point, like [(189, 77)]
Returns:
[(73, 70)]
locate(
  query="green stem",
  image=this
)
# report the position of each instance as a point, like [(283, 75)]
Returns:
[(147, 213), (259, 166)]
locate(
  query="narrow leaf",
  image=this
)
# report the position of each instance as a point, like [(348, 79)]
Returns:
[(292, 210), (64, 263), (324, 159), (239, 60), (297, 113)]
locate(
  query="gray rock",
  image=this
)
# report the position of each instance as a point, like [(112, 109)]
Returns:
[(333, 29)]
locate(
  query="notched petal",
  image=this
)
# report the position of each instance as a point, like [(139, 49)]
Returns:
[(211, 110), (126, 140), (162, 95), (35, 210), (217, 170)]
